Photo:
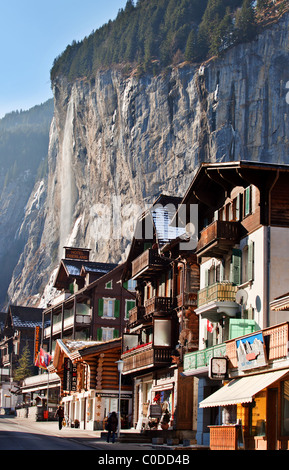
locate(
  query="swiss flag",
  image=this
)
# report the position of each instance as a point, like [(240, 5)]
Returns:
[(210, 326), (43, 359)]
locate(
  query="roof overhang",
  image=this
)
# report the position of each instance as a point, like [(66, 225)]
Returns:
[(242, 390)]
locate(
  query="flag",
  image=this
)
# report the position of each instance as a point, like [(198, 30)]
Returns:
[(209, 326), (43, 359)]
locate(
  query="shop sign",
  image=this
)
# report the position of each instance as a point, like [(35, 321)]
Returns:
[(69, 376), (36, 343), (155, 411), (251, 352)]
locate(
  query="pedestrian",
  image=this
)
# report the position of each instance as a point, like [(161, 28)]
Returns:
[(112, 423), (60, 414)]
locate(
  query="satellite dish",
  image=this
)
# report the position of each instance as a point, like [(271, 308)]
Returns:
[(241, 297)]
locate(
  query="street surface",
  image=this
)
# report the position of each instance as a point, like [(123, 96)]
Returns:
[(17, 435)]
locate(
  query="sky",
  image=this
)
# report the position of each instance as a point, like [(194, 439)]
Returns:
[(32, 34)]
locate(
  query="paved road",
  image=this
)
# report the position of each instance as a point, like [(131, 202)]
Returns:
[(17, 435)]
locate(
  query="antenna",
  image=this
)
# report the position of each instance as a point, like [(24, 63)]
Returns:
[(241, 299), (241, 296)]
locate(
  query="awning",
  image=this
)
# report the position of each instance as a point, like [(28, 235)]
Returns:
[(242, 390)]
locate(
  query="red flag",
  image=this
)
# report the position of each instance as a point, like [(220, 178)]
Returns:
[(209, 326), (43, 359)]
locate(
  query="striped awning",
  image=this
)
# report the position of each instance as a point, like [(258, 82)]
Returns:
[(281, 303), (242, 390)]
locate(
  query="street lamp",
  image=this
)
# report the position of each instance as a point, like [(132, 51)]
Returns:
[(119, 368)]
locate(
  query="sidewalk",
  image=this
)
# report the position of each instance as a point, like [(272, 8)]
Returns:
[(86, 437)]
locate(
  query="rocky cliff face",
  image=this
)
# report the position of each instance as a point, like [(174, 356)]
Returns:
[(117, 142)]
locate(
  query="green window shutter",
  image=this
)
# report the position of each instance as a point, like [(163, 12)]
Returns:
[(247, 200), (100, 307), (108, 285), (115, 333), (129, 305), (238, 207), (240, 327), (116, 308), (125, 284), (251, 261), (99, 334), (235, 268), (71, 288), (147, 246)]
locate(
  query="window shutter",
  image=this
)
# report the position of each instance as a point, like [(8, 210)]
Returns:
[(100, 307), (99, 334), (116, 308), (206, 277), (251, 261), (238, 207), (235, 268), (247, 200), (129, 305), (125, 284), (147, 246), (115, 333)]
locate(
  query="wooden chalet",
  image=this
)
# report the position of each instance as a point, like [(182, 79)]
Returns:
[(90, 382), (92, 305), (19, 330), (166, 294)]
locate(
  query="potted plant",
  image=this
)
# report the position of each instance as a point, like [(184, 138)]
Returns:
[(166, 420)]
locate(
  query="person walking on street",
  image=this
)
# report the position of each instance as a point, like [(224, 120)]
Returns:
[(112, 423), (60, 414)]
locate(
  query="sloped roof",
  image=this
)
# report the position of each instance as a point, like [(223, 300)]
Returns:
[(70, 268), (25, 317)]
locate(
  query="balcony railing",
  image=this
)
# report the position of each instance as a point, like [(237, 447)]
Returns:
[(198, 359), (218, 238), (145, 356), (158, 304), (187, 299), (218, 292), (276, 340), (149, 261), (67, 323), (136, 315)]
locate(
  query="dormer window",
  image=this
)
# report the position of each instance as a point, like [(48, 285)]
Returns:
[(108, 285)]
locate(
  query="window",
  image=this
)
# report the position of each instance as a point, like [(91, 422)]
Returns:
[(108, 308), (248, 201), (129, 304), (162, 332), (107, 334), (108, 285)]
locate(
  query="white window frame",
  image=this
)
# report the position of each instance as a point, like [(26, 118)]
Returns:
[(108, 312)]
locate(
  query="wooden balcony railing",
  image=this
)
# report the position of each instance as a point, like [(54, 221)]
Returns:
[(145, 356), (187, 299), (149, 261), (224, 437), (220, 291), (136, 315), (158, 304), (218, 238), (276, 340)]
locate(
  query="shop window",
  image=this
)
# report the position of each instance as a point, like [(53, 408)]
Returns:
[(257, 415), (285, 409)]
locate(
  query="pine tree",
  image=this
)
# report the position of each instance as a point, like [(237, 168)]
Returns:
[(246, 27), (25, 365), (191, 52)]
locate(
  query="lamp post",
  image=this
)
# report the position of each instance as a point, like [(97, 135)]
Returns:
[(119, 368)]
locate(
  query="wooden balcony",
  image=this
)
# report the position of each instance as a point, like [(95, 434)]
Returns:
[(276, 340), (158, 305), (216, 239), (136, 315), (144, 357), (187, 299), (147, 263), (217, 292)]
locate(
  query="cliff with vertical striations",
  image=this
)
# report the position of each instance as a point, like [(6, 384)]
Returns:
[(117, 142)]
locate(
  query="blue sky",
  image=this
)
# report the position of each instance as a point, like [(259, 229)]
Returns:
[(32, 34)]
